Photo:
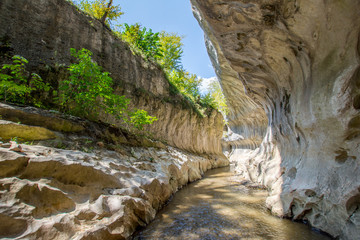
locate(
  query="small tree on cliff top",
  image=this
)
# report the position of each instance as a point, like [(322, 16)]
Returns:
[(103, 10)]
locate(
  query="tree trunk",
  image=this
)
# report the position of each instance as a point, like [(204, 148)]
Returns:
[(103, 19)]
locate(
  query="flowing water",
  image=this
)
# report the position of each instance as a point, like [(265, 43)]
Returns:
[(220, 207)]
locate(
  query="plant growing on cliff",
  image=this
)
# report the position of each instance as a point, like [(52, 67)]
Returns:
[(139, 118), (142, 40), (166, 50), (171, 48), (187, 83), (88, 90), (103, 10), (17, 84), (215, 98)]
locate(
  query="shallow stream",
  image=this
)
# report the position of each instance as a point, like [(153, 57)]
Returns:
[(220, 207)]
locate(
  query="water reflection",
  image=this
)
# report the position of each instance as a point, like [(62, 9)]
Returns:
[(219, 207)]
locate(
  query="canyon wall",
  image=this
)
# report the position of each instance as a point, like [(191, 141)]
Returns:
[(76, 179), (44, 31), (299, 61)]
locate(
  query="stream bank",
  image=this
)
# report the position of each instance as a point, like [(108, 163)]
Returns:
[(222, 206)]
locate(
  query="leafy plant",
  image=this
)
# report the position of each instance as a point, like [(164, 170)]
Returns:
[(143, 40), (101, 9), (215, 98), (16, 83), (171, 48), (140, 117), (188, 84), (87, 85), (14, 80), (89, 89)]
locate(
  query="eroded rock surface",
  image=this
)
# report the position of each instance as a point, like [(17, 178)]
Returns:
[(48, 193), (299, 61), (37, 117), (108, 181), (10, 129), (106, 184), (44, 31)]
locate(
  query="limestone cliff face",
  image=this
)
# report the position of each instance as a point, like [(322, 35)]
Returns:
[(92, 180), (84, 180), (299, 60), (44, 31)]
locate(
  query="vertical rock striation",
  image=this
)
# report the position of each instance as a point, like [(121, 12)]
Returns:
[(44, 31), (92, 192), (299, 60)]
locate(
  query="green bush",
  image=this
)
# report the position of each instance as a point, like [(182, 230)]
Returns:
[(17, 84), (143, 40), (188, 84), (139, 118), (171, 48), (88, 89)]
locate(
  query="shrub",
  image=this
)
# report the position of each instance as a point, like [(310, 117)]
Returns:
[(139, 118), (17, 84), (188, 84), (143, 40), (89, 89)]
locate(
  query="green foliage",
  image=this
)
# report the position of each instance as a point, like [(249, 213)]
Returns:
[(163, 47), (143, 40), (188, 84), (215, 98), (16, 83), (89, 89), (87, 85), (98, 8), (171, 48), (166, 49), (140, 117)]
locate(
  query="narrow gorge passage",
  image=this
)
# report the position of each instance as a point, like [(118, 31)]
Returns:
[(220, 206)]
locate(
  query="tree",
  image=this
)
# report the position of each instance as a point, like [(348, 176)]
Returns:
[(105, 11), (215, 98), (187, 83), (103, 18), (171, 47), (166, 49), (142, 39)]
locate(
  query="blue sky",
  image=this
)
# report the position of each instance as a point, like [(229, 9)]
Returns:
[(174, 16)]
